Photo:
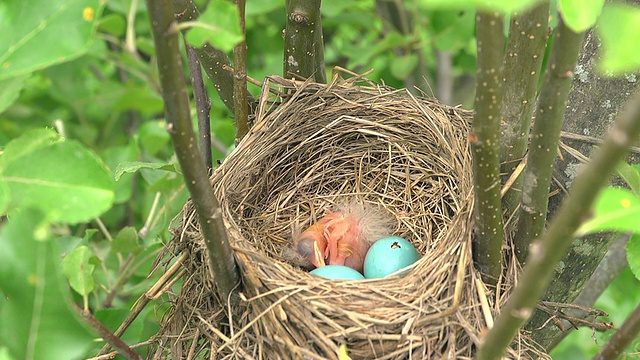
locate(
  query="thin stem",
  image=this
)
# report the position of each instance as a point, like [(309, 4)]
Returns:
[(174, 93), (622, 338), (303, 40), (545, 253), (203, 105), (545, 135), (240, 79), (485, 143), (115, 342)]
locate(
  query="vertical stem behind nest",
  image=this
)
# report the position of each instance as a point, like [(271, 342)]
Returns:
[(485, 144)]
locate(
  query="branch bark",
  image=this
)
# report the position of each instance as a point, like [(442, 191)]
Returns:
[(485, 144), (240, 79), (545, 135), (592, 106), (523, 65), (303, 40), (176, 102), (545, 253)]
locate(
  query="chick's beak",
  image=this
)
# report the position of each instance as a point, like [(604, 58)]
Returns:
[(318, 256)]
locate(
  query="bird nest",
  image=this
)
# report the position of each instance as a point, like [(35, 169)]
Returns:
[(314, 146)]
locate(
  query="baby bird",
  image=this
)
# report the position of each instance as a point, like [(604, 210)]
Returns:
[(343, 236)]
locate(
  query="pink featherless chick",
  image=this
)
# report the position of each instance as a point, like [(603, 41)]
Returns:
[(343, 236)]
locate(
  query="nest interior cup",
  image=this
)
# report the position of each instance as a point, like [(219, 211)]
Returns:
[(317, 145)]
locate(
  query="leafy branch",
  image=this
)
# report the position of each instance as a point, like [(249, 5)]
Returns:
[(545, 253), (545, 135), (179, 126), (485, 144), (215, 62)]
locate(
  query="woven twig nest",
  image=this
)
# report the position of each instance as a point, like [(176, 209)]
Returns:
[(314, 146)]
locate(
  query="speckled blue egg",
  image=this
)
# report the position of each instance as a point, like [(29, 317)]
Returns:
[(389, 255), (337, 272)]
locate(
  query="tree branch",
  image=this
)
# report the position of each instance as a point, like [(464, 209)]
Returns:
[(240, 79), (203, 105), (622, 338), (545, 253), (609, 268), (174, 93), (545, 135), (485, 144), (523, 64), (303, 40)]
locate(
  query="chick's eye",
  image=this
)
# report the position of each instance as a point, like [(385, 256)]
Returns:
[(305, 247)]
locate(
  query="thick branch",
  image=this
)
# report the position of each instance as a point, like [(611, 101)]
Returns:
[(240, 79), (545, 135), (485, 143), (594, 101), (546, 253), (176, 102), (622, 338), (523, 64), (303, 41)]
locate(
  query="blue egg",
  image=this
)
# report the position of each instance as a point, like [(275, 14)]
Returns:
[(337, 272), (389, 255)]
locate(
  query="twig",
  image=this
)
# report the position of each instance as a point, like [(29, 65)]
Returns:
[(545, 136), (122, 348), (240, 79), (622, 338), (614, 261), (545, 253), (591, 140), (180, 129), (523, 65), (485, 144), (153, 293), (303, 41), (203, 105)]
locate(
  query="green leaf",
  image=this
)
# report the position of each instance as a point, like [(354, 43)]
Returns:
[(78, 268), (219, 25), (37, 322), (633, 255), (631, 175), (113, 24), (133, 166), (579, 15), (619, 30), (64, 179), (27, 143), (115, 156), (402, 66), (10, 90), (489, 5), (40, 33), (615, 209), (126, 241)]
